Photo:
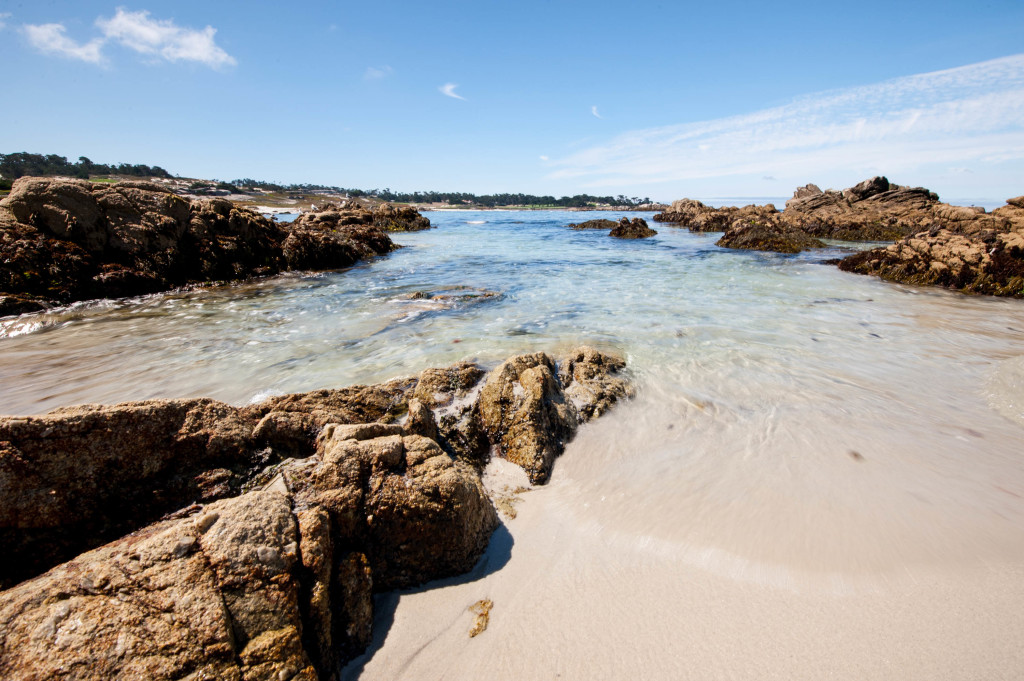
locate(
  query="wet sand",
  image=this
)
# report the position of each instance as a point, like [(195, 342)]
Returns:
[(717, 558)]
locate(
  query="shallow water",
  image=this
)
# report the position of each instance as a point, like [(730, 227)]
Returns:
[(795, 425)]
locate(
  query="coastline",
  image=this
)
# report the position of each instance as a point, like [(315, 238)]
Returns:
[(780, 483)]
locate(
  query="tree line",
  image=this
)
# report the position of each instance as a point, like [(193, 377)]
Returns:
[(454, 198), (13, 166)]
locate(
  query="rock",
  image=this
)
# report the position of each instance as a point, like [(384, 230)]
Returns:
[(867, 188), (80, 476), (767, 236), (988, 263), (530, 410), (277, 582), (632, 229), (700, 218), (355, 404), (399, 219), (15, 305), (453, 394), (421, 421), (247, 583), (806, 190), (963, 248), (314, 248), (594, 224), (873, 210), (591, 382), (525, 413), (67, 240), (418, 512), (171, 601)]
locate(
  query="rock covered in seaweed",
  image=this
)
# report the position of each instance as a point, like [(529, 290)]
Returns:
[(975, 253), (594, 224), (632, 229), (769, 235)]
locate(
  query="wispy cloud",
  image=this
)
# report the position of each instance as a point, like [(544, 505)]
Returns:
[(4, 16), (950, 117), (449, 90), (593, 110), (51, 39), (544, 158), (377, 72), (161, 39)]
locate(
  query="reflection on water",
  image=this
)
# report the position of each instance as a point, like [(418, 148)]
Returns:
[(787, 412)]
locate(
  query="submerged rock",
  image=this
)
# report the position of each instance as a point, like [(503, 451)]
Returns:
[(591, 381), (68, 240), (594, 224), (632, 229)]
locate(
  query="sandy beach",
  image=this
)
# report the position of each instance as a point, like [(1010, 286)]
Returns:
[(578, 595)]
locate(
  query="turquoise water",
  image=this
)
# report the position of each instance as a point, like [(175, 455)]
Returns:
[(763, 378)]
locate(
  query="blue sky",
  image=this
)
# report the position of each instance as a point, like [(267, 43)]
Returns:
[(660, 99)]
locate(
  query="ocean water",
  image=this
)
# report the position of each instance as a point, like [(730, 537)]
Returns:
[(795, 427)]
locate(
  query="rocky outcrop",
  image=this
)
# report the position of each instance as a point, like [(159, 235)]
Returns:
[(67, 240), (632, 229), (874, 210), (247, 543), (696, 216), (385, 217), (218, 595), (386, 492), (398, 219), (273, 584), (81, 476), (594, 224), (975, 253)]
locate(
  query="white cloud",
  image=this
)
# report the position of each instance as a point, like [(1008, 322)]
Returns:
[(544, 158), (449, 90), (953, 117), (377, 72), (162, 38), (593, 110), (137, 31), (4, 16), (51, 39)]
